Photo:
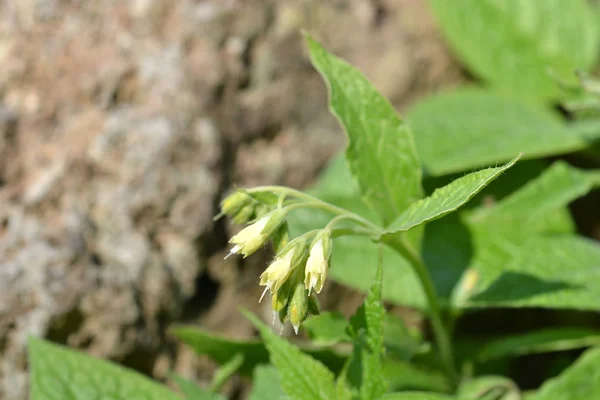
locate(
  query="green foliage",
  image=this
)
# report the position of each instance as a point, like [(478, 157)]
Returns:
[(489, 388), (446, 199), (417, 396), (540, 341), (580, 382), (365, 369), (302, 377), (404, 375), (469, 128), (221, 349), (552, 272), (58, 373), (520, 46), (517, 263), (254, 352), (381, 149), (266, 384), (327, 328), (193, 391)]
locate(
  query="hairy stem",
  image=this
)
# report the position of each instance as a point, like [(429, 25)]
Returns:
[(435, 313)]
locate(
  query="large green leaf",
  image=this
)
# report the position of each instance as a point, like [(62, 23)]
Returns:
[(469, 128), (540, 341), (380, 150), (365, 367), (302, 377), (506, 238), (58, 373), (518, 45), (580, 382), (446, 199), (221, 348), (552, 272), (266, 384)]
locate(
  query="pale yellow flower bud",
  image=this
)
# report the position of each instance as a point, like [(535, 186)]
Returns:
[(252, 237), (235, 202), (277, 273), (317, 263)]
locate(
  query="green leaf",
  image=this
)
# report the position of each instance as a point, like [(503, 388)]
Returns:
[(417, 396), (400, 342), (581, 381), (302, 377), (510, 266), (192, 391), (446, 199), (58, 373), (552, 272), (518, 46), (540, 341), (226, 370), (469, 128), (402, 375), (266, 384), (328, 328), (365, 368), (556, 187), (380, 150), (588, 129), (488, 387), (220, 349)]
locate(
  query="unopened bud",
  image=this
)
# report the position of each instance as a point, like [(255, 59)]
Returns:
[(298, 307), (261, 209), (235, 202), (244, 215)]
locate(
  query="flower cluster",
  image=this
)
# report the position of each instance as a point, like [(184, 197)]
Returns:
[(300, 266)]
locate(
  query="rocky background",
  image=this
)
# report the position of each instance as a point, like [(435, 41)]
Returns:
[(123, 123)]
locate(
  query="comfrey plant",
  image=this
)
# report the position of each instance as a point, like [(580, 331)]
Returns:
[(365, 220), (383, 159)]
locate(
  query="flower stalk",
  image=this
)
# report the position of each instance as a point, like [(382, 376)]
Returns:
[(299, 271)]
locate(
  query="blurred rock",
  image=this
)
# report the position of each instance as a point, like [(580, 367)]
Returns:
[(121, 126)]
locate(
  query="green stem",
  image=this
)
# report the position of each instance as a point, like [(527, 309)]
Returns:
[(314, 202), (439, 330)]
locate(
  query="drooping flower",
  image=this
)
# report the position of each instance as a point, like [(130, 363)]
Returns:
[(277, 273), (318, 262), (251, 238)]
